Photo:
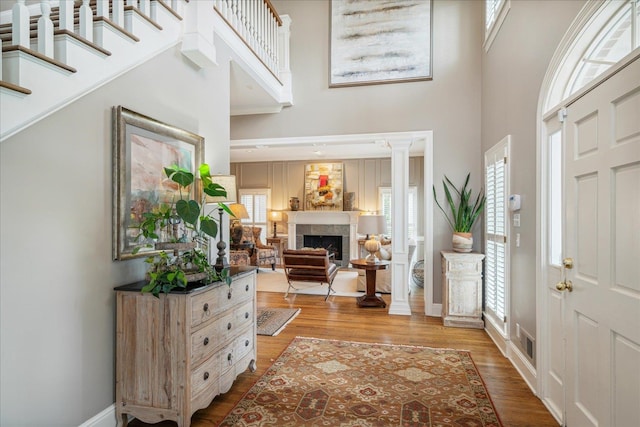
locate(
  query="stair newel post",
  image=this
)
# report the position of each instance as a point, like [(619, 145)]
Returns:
[(45, 30), (102, 8), (118, 12), (86, 21), (66, 15), (20, 27)]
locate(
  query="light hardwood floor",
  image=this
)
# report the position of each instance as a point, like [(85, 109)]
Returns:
[(340, 318)]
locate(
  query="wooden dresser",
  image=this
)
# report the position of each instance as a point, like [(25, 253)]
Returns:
[(175, 353)]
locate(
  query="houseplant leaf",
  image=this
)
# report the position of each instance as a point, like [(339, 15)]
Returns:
[(188, 211)]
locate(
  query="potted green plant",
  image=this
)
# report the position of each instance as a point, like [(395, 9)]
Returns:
[(181, 226), (463, 215)]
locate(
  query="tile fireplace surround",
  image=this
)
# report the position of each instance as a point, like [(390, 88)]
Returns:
[(343, 223)]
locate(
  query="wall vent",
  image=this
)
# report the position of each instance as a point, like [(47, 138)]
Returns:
[(528, 343)]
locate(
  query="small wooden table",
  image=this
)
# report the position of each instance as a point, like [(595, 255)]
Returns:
[(370, 299)]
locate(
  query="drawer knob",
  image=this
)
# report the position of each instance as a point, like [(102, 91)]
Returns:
[(229, 295), (205, 307), (246, 288), (246, 343), (229, 326), (246, 315), (206, 376), (229, 357), (206, 340)]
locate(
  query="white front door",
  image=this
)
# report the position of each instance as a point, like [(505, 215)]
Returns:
[(600, 317)]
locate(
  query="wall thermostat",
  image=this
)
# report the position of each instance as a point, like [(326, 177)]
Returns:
[(514, 202)]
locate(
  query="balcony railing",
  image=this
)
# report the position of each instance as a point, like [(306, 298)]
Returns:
[(256, 22)]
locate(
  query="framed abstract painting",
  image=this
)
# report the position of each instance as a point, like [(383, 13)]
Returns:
[(323, 186), (142, 148), (376, 41)]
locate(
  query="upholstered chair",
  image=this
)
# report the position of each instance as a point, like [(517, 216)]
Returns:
[(239, 257), (262, 254)]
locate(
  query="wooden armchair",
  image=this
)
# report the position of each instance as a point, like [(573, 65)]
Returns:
[(309, 265)]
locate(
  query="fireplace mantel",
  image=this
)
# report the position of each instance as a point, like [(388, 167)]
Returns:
[(323, 217), (349, 218)]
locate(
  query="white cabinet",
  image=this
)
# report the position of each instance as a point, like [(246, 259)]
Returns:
[(175, 353), (462, 289)]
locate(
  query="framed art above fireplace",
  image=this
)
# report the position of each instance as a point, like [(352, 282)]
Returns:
[(323, 186)]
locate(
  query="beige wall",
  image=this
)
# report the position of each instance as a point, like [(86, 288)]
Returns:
[(361, 176), (57, 276)]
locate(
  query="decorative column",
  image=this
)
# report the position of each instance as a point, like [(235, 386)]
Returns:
[(399, 242)]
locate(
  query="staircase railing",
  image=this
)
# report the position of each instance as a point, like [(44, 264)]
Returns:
[(47, 34)]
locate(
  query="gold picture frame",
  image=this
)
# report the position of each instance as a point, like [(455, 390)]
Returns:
[(142, 148)]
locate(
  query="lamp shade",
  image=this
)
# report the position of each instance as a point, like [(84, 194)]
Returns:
[(228, 182), (239, 211), (372, 224), (275, 216)]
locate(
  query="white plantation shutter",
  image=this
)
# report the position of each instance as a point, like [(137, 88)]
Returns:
[(384, 194), (492, 7), (496, 255), (257, 203)]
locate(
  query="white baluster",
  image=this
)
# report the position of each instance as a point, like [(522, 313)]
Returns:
[(86, 21), (102, 8), (45, 30), (66, 15), (118, 12), (145, 7), (153, 11), (20, 27), (133, 3)]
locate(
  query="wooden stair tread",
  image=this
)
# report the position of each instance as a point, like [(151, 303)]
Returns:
[(15, 88), (40, 56)]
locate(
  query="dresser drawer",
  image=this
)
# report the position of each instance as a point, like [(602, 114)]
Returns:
[(206, 377), (244, 343), (218, 332), (208, 305)]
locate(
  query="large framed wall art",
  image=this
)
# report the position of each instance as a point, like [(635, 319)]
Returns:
[(142, 147), (376, 41), (323, 186)]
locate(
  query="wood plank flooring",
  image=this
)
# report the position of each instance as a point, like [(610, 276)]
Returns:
[(340, 318)]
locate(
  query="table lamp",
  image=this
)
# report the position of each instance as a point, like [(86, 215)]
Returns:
[(372, 225), (239, 213), (228, 182), (275, 217)]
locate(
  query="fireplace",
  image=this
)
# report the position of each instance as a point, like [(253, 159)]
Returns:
[(339, 224), (333, 244)]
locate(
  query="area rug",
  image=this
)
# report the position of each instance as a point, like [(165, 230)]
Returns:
[(317, 382), (344, 284), (271, 321)]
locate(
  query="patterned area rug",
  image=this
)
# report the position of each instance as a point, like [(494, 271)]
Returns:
[(271, 321), (318, 382)]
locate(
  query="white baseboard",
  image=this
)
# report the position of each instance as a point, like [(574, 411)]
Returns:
[(106, 418), (515, 356), (496, 336), (434, 310), (523, 366)]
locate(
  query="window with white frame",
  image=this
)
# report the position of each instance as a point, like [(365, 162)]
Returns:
[(257, 202), (495, 12), (384, 202), (496, 249)]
